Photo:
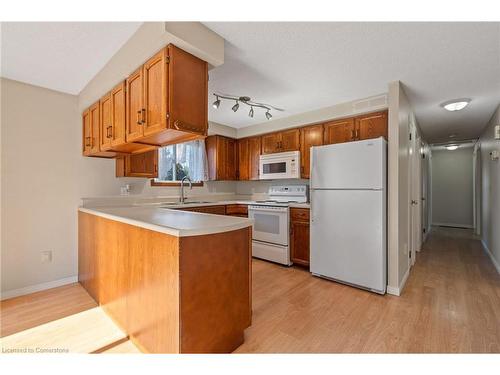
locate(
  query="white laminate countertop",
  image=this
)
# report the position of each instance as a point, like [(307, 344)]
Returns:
[(170, 221)]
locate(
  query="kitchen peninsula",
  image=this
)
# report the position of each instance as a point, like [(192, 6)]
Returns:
[(174, 281)]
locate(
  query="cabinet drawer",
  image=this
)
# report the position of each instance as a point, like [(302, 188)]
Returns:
[(217, 210), (299, 214), (236, 209)]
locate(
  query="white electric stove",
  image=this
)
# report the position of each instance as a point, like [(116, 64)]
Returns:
[(270, 240)]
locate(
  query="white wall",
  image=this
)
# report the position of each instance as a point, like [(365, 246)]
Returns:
[(490, 194), (452, 187), (398, 220)]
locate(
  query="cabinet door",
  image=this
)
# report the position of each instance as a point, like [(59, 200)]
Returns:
[(105, 124), (134, 106), (373, 125), (230, 161), (289, 140), (118, 115), (339, 131), (142, 165), (254, 151), (310, 136), (243, 160), (299, 240), (270, 143), (86, 133), (155, 94), (94, 127), (187, 92)]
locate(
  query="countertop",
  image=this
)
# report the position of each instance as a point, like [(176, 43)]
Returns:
[(170, 221)]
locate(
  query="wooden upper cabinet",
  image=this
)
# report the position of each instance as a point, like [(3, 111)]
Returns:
[(339, 131), (94, 127), (309, 136), (135, 106), (372, 125), (143, 164), (105, 126), (154, 114), (221, 155), (118, 115), (243, 159), (249, 150), (270, 143), (289, 140), (87, 133), (254, 152)]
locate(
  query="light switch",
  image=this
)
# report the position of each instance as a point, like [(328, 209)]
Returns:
[(497, 132), (494, 155)]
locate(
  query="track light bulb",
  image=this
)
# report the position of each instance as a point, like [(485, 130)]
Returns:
[(251, 112), (216, 103), (268, 115), (236, 106)]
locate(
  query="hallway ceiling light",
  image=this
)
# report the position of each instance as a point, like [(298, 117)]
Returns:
[(245, 100), (455, 105), (451, 147)]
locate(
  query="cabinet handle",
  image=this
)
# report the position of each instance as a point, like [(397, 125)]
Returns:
[(87, 143), (139, 117), (109, 132), (352, 134), (143, 111), (357, 133)]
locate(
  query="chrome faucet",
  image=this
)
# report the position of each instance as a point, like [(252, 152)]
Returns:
[(182, 198)]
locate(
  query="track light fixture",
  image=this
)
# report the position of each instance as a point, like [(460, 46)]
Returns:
[(216, 104), (236, 106), (245, 100)]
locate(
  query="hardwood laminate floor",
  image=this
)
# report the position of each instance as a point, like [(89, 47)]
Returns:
[(451, 303)]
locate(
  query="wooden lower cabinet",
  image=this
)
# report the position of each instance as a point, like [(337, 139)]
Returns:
[(168, 293), (240, 210), (216, 210), (299, 236)]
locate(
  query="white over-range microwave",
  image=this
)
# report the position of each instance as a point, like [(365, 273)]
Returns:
[(279, 166)]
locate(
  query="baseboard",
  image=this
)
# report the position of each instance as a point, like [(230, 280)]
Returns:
[(37, 287), (453, 225), (490, 254), (397, 291)]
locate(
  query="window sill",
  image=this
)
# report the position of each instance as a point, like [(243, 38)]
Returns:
[(172, 183)]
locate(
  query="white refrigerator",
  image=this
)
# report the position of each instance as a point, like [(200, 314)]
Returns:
[(348, 213)]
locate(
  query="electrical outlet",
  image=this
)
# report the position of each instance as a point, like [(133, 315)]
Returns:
[(46, 256)]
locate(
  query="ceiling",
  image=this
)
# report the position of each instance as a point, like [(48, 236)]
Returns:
[(307, 66), (62, 56)]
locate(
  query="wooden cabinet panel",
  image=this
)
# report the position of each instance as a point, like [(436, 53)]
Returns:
[(221, 155), (138, 165), (187, 92), (94, 127), (270, 143), (216, 210), (155, 93), (289, 140), (243, 159), (299, 236), (254, 151), (339, 131), (237, 210), (310, 136), (135, 106), (373, 125), (118, 114), (105, 126), (231, 163), (86, 133)]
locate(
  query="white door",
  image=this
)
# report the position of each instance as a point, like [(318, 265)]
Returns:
[(348, 237), (351, 165), (414, 177)]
